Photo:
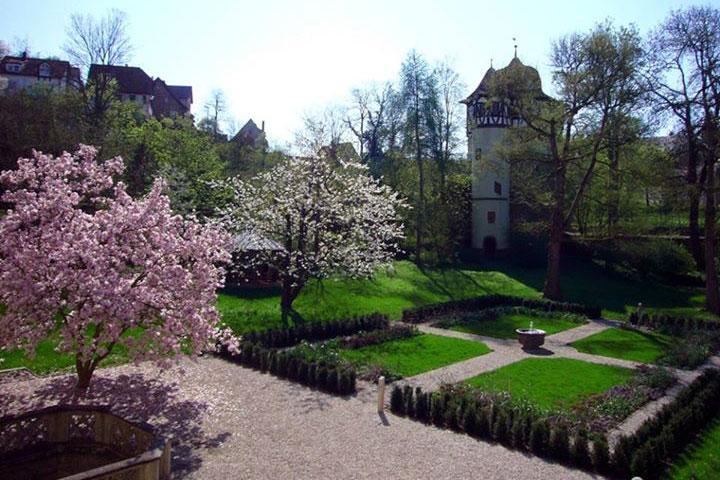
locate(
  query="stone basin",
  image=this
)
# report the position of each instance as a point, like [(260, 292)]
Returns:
[(531, 338)]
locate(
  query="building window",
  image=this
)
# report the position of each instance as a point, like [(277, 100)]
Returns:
[(498, 188), (12, 67), (491, 217), (478, 154), (132, 98), (44, 70)]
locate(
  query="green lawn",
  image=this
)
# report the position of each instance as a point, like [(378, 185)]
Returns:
[(626, 344), (504, 326), (411, 356), (410, 286), (552, 382), (701, 461), (47, 360)]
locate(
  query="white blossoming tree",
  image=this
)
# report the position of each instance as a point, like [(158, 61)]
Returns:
[(330, 217)]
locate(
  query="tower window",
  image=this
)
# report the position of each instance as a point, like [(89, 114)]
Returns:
[(491, 217), (498, 188), (478, 154)]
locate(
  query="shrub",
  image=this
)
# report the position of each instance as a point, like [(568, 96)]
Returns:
[(364, 339), (601, 455), (579, 451), (539, 437), (469, 421), (408, 401), (437, 410), (499, 429), (422, 407), (559, 444), (518, 431), (397, 402), (660, 257), (318, 331)]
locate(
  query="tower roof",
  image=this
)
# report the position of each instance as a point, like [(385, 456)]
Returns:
[(515, 67)]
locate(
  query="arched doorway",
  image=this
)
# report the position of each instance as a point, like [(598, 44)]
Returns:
[(489, 246)]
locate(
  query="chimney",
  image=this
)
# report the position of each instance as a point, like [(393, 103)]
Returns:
[(24, 54), (263, 126)]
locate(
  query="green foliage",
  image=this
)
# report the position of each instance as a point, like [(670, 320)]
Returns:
[(539, 438), (658, 257), (579, 450), (600, 455), (397, 402), (559, 444)]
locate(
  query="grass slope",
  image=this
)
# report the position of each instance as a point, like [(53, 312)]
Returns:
[(390, 294), (505, 325), (701, 461), (412, 356), (626, 344), (552, 382)]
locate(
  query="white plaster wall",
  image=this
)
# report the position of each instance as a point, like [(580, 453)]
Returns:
[(487, 170)]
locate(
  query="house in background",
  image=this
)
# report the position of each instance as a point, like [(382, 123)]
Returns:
[(153, 96), (252, 136), (18, 73)]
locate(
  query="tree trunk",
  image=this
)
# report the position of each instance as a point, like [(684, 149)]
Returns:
[(614, 190), (712, 296), (84, 372), (551, 289), (420, 214), (691, 178)]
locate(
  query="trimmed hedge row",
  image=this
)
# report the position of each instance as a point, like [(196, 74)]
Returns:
[(374, 337), (427, 313), (330, 378), (657, 321), (660, 439), (514, 427), (315, 332)]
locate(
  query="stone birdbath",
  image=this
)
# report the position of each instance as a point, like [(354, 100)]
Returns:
[(531, 338)]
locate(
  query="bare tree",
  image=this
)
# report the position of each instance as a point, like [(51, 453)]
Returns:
[(102, 41), (686, 81), (448, 115), (323, 132), (215, 108), (4, 49), (358, 117)]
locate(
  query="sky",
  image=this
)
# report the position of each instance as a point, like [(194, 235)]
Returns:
[(278, 60)]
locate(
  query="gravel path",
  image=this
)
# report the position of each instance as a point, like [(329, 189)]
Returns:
[(228, 422)]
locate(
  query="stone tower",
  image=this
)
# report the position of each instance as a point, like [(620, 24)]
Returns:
[(487, 122)]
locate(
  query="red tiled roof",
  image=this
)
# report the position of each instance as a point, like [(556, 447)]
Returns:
[(131, 80), (30, 66), (181, 92)]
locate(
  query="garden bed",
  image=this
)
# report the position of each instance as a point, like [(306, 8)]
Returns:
[(412, 356), (502, 322), (626, 344)]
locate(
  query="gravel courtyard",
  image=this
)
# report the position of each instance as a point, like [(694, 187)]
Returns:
[(231, 422)]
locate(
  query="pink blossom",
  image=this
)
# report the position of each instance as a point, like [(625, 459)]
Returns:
[(80, 257)]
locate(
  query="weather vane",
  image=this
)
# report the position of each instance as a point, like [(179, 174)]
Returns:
[(515, 42)]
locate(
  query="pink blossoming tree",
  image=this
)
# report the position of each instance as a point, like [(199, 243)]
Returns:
[(79, 257)]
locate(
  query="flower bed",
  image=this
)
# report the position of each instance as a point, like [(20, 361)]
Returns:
[(431, 312), (576, 437), (500, 322), (694, 339), (660, 439)]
